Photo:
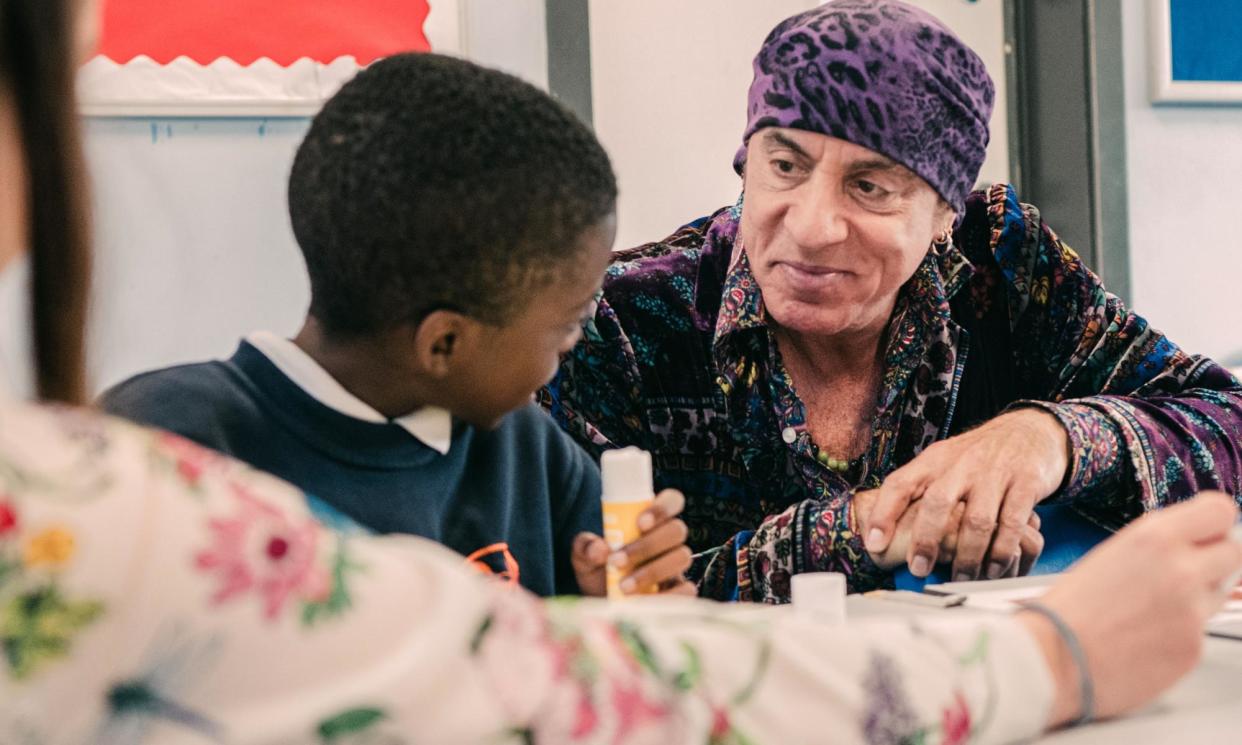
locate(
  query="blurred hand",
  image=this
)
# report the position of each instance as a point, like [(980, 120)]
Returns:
[(999, 471), (1139, 603), (1030, 545), (656, 562)]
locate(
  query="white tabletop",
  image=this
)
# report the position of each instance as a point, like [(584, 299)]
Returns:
[(1205, 707)]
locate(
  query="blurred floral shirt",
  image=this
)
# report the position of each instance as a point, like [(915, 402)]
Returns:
[(152, 591)]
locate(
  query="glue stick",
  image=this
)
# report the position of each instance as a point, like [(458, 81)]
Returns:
[(626, 475)]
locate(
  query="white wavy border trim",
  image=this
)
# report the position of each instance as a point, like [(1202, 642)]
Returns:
[(183, 87), (143, 87)]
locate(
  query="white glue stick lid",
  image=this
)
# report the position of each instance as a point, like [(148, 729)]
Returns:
[(626, 474), (819, 595)]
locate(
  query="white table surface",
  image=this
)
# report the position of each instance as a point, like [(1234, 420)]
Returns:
[(1205, 707)]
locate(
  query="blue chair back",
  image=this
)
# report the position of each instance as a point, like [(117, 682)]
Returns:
[(1067, 536)]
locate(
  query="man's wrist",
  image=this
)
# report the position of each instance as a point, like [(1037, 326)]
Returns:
[(1060, 445)]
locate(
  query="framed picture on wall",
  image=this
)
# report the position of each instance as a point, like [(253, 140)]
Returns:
[(1194, 51), (241, 58)]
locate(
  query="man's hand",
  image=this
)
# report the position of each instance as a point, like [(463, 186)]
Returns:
[(1031, 544), (657, 561), (999, 471)]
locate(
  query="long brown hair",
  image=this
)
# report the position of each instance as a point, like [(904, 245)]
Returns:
[(37, 66)]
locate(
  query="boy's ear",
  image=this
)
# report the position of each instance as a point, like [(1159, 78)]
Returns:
[(443, 341)]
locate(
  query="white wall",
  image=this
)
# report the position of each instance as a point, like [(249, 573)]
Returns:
[(15, 371), (669, 83), (193, 246), (508, 34), (1185, 249)]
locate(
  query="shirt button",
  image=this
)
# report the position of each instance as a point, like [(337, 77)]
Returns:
[(789, 435)]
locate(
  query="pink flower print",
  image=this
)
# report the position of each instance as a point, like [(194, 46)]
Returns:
[(637, 715), (587, 718), (260, 549), (318, 586), (190, 459), (8, 518), (519, 657), (567, 714), (956, 722)]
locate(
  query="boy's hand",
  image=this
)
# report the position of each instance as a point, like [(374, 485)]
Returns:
[(658, 559), (589, 557)]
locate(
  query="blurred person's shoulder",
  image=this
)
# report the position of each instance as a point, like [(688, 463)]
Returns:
[(197, 400), (75, 453)]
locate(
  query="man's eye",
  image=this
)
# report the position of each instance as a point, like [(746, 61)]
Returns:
[(784, 166), (871, 191)]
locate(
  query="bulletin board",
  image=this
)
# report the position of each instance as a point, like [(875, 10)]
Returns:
[(1195, 54), (249, 57)]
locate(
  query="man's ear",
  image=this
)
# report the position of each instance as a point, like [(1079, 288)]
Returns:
[(443, 341), (948, 218)]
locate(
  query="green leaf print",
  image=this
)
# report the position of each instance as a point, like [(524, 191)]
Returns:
[(978, 653), (39, 625), (633, 640), (732, 737), (339, 599), (687, 679), (477, 641), (916, 738), (8, 569), (348, 723)]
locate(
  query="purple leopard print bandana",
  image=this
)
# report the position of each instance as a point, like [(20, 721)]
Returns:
[(881, 74)]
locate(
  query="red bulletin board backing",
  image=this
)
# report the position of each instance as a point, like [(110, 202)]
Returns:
[(246, 30)]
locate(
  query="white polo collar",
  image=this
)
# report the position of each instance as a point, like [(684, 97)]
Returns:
[(430, 425)]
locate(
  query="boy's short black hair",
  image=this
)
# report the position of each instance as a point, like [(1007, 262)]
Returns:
[(428, 182)]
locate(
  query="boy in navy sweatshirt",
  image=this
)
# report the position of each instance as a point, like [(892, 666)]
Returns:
[(455, 223)]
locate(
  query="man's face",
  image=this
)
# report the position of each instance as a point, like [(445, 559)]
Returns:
[(833, 230)]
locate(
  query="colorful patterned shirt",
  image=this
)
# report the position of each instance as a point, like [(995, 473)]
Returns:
[(679, 359), (155, 592)]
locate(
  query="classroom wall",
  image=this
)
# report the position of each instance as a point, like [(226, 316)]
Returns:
[(193, 245), (668, 84), (15, 373), (1184, 164)]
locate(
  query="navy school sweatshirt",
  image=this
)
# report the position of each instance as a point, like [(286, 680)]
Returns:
[(514, 496)]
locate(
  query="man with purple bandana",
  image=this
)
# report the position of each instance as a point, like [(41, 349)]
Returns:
[(862, 364)]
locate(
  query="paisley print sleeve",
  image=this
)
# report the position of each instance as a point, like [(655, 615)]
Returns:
[(1149, 424)]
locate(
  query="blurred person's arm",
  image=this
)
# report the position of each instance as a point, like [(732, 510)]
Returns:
[(152, 590)]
